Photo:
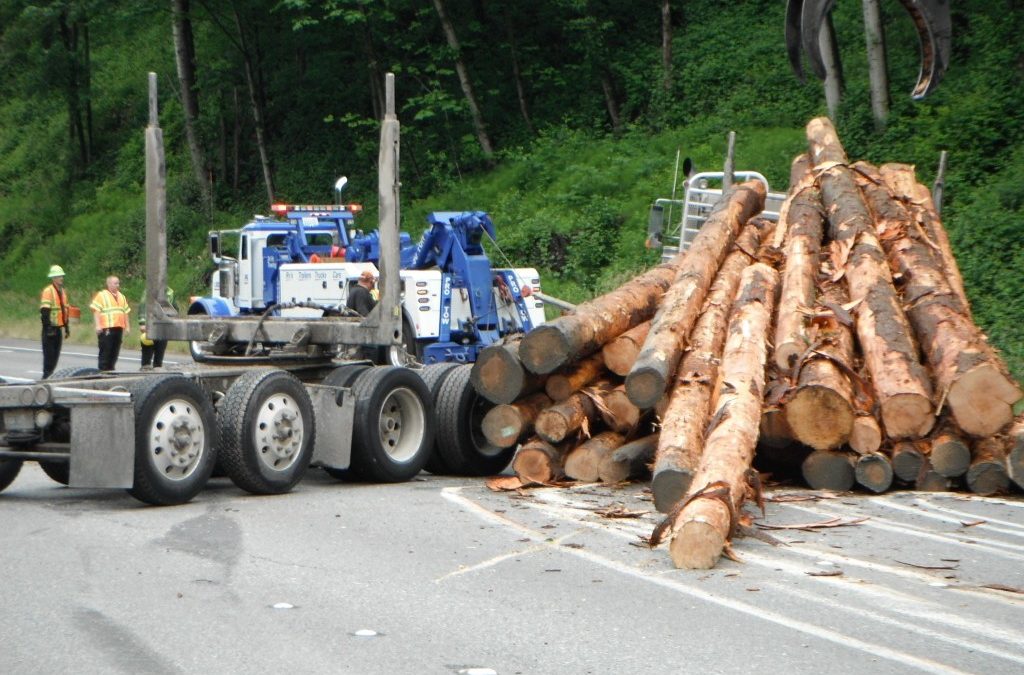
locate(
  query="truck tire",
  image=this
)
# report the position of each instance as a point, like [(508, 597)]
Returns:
[(266, 431), (9, 469), (434, 375), (460, 439), (344, 376), (393, 429), (174, 435), (60, 471)]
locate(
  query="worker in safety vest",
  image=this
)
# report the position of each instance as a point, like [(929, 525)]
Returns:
[(54, 312), (110, 310), (152, 350)]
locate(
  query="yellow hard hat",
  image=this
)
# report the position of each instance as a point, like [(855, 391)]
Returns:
[(56, 271)]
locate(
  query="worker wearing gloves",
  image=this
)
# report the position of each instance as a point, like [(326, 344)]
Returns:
[(54, 312), (360, 296), (152, 350), (110, 311)]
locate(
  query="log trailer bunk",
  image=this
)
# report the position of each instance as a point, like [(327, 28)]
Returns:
[(263, 419)]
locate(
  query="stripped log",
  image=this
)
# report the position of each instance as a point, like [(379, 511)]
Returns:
[(706, 521), (800, 177), (873, 471), (686, 417), (973, 379), (538, 461), (617, 411), (931, 480), (582, 462), (570, 379), (504, 425), (658, 359), (499, 376), (799, 277), (1015, 460), (555, 423), (820, 409), (620, 353), (629, 461), (950, 456), (866, 435), (829, 470), (907, 460), (988, 474), (901, 384), (918, 199)]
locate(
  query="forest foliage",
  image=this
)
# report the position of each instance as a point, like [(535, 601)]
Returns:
[(558, 117)]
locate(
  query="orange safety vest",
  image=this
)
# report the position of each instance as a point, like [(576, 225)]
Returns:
[(53, 300), (113, 310)]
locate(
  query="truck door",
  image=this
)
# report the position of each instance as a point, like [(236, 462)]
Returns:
[(244, 274)]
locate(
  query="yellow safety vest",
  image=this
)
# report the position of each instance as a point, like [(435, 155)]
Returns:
[(53, 301), (113, 310)]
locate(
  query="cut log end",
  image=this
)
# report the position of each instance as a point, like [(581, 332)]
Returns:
[(866, 435), (874, 472), (988, 478), (906, 461), (828, 470), (502, 426), (907, 416), (950, 457), (670, 486), (933, 481), (982, 399), (787, 354), (697, 546), (820, 417), (1015, 459), (645, 386), (536, 465), (497, 375), (544, 349)]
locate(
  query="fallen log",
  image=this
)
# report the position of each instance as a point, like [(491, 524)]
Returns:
[(1015, 460), (800, 177), (570, 379), (658, 359), (499, 376), (988, 474), (829, 470), (556, 422), (873, 471), (629, 461), (617, 411), (950, 456), (538, 461), (582, 462), (686, 416), (901, 384), (974, 380), (506, 424), (706, 520), (620, 353), (907, 460), (866, 435), (931, 480)]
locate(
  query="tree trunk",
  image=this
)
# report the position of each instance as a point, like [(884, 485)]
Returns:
[(537, 461), (799, 276), (517, 76), (901, 384), (833, 67), (555, 423), (618, 412), (467, 85), (988, 474), (222, 141), (608, 89), (505, 424), (690, 400), (499, 376), (629, 461), (829, 470), (185, 60), (620, 353), (582, 462), (916, 197), (950, 456), (562, 385), (76, 129), (375, 74), (666, 45), (657, 362), (236, 141), (907, 460), (971, 377), (705, 524), (90, 142), (255, 96), (877, 63), (866, 435), (873, 471)]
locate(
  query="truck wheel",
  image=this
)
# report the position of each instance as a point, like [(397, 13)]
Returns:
[(266, 431), (393, 429), (434, 375), (74, 371), (174, 452), (460, 440), (9, 469), (60, 472), (344, 376), (409, 353)]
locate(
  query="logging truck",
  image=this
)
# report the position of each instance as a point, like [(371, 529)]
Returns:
[(263, 418)]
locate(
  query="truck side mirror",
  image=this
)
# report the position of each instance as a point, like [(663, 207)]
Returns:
[(655, 223), (215, 247)]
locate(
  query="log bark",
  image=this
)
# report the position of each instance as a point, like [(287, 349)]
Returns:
[(499, 376), (820, 409), (918, 199), (538, 461), (969, 375), (583, 461), (866, 435), (705, 523), (618, 412), (555, 423), (873, 471), (988, 474), (950, 455), (829, 470), (907, 460), (629, 461), (1015, 460), (563, 384), (800, 177), (620, 353), (690, 399), (901, 384), (505, 424), (799, 276), (658, 359)]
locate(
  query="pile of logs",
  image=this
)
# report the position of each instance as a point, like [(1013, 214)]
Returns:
[(838, 343)]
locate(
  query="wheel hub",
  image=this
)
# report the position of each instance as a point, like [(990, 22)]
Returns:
[(279, 432), (177, 440), (401, 424)]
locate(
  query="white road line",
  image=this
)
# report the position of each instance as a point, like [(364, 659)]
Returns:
[(91, 355), (972, 517), (927, 665), (982, 527)]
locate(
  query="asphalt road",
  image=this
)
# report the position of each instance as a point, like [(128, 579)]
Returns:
[(24, 358), (442, 575)]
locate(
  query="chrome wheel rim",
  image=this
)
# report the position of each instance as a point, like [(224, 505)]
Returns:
[(177, 439), (401, 422), (278, 432)]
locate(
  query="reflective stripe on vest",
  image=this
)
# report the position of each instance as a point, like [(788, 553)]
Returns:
[(113, 311), (50, 300)]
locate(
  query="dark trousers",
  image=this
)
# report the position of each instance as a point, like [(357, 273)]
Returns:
[(53, 340), (154, 354), (110, 347)]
